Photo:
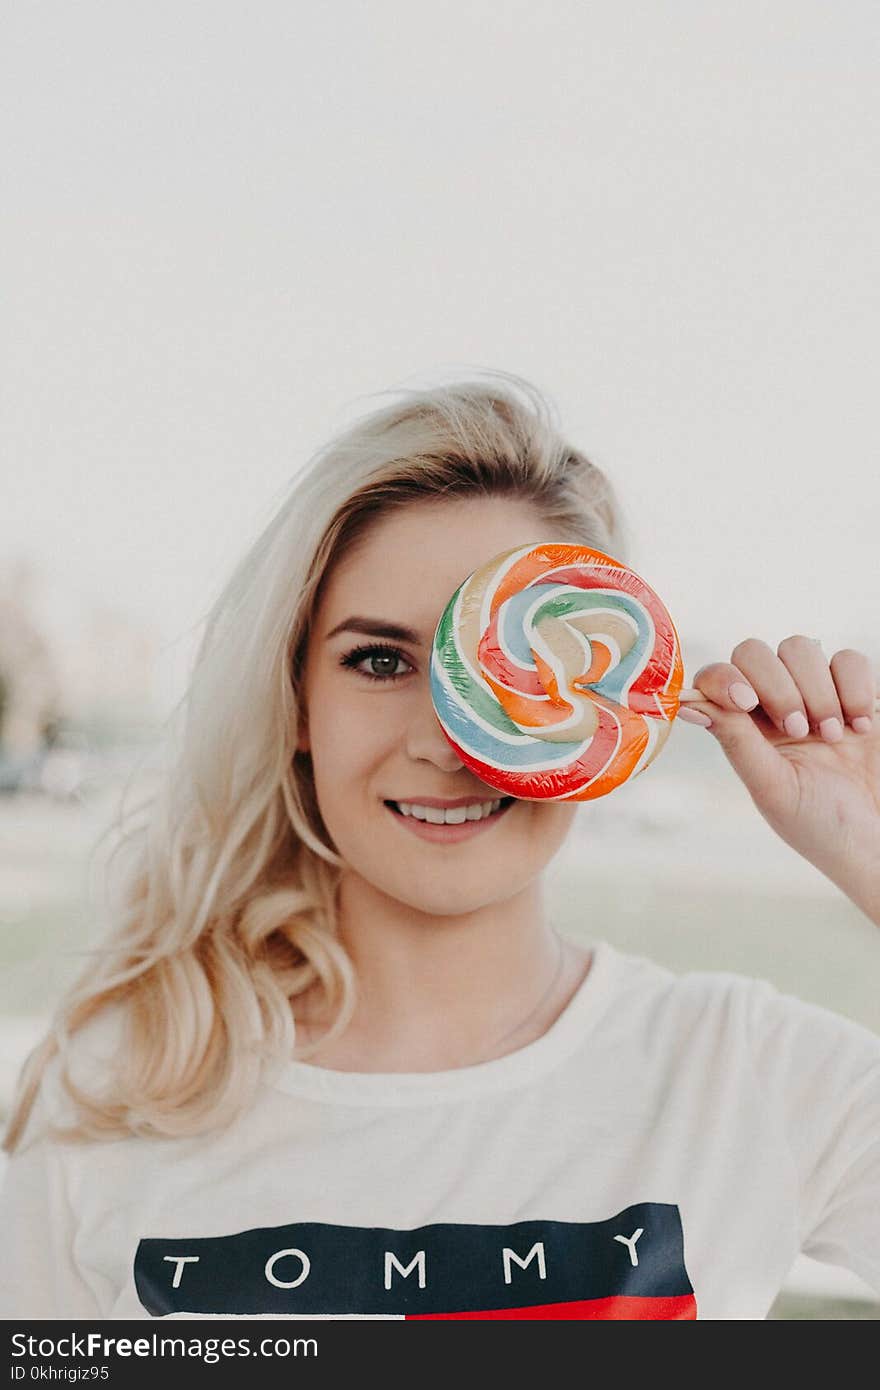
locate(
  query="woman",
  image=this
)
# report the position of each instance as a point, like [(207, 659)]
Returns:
[(349, 1065)]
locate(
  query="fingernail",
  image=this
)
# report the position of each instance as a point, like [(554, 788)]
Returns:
[(695, 716), (862, 725), (743, 695), (796, 725), (831, 729)]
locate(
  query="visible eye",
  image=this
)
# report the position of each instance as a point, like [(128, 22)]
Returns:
[(381, 653)]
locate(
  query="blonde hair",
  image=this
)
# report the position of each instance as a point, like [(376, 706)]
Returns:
[(227, 910)]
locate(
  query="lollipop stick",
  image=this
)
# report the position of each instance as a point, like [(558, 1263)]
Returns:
[(689, 693)]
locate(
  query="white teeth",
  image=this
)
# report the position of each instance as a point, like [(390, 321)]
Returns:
[(455, 815)]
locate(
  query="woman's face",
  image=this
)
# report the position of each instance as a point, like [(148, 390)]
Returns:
[(371, 727)]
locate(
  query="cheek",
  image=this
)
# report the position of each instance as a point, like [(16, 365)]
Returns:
[(547, 826), (347, 745), (550, 816)]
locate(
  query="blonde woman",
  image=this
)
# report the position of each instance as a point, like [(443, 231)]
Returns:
[(335, 1059)]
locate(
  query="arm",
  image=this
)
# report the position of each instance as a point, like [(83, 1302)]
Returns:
[(861, 884)]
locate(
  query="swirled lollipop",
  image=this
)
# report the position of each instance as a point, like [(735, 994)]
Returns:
[(555, 673)]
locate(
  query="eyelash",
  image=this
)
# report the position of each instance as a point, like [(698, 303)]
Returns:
[(354, 658)]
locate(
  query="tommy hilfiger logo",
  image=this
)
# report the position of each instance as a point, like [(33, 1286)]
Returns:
[(630, 1266)]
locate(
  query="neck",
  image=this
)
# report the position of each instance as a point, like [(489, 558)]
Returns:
[(436, 993)]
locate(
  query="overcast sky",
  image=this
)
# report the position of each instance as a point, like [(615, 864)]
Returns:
[(226, 225)]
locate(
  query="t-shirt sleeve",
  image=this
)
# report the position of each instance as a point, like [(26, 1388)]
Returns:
[(820, 1073), (38, 1273)]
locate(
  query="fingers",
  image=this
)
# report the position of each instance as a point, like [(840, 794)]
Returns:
[(815, 691), (856, 682), (796, 686)]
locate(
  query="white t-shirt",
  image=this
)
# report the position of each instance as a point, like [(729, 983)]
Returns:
[(665, 1150)]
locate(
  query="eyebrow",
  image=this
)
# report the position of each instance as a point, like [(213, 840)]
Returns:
[(377, 627)]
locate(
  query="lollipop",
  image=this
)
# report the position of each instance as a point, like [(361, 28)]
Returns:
[(556, 673)]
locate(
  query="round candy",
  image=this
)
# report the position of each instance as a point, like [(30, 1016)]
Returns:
[(555, 673)]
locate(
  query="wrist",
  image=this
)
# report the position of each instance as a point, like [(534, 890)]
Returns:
[(863, 889)]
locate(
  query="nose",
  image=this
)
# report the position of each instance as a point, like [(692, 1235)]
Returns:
[(426, 741)]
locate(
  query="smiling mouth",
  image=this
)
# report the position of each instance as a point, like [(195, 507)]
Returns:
[(505, 802)]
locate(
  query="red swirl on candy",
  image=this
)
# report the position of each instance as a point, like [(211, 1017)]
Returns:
[(556, 672)]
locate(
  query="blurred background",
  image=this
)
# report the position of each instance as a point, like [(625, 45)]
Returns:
[(227, 229)]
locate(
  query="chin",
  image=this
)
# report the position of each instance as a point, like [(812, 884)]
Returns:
[(440, 902)]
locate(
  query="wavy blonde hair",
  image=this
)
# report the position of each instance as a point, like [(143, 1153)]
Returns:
[(227, 907)]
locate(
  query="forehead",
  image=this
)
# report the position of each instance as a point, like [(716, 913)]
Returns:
[(414, 558)]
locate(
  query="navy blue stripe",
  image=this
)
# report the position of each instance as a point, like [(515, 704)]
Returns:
[(464, 1266)]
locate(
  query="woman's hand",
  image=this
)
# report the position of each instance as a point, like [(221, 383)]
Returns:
[(816, 783)]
